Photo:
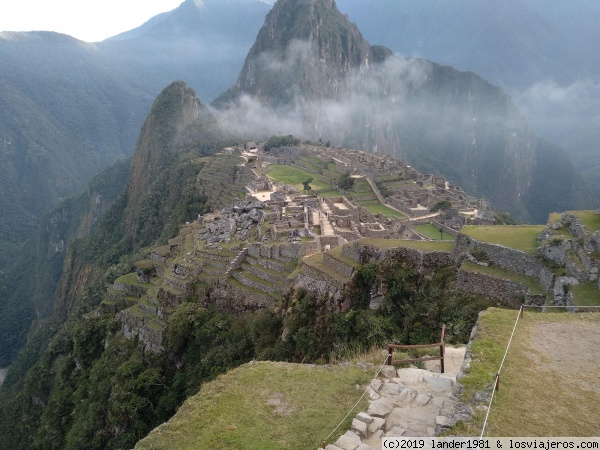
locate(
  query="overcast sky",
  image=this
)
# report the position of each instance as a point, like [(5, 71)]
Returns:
[(87, 20)]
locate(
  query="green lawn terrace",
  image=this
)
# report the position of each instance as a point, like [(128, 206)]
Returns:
[(512, 288), (431, 231), (585, 294), (425, 246), (295, 177), (518, 237)]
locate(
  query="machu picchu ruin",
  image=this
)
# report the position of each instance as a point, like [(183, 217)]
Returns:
[(266, 234)]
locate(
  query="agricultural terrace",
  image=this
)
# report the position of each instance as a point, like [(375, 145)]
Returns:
[(532, 283), (548, 384), (418, 245), (519, 237), (589, 219), (383, 209), (432, 232), (585, 294), (294, 177)]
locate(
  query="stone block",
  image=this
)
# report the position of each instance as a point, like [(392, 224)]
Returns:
[(395, 432), (348, 441), (388, 372), (364, 417), (380, 408), (408, 395), (390, 387), (376, 384), (359, 427), (376, 425), (422, 399), (377, 435), (410, 376), (372, 394), (438, 401), (438, 384)]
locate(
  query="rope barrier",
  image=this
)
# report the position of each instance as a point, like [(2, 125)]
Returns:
[(356, 404), (564, 306), (499, 370), (497, 379)]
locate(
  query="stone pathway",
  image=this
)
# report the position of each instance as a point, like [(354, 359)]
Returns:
[(406, 402)]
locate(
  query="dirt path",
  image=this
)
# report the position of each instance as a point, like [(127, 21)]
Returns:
[(571, 350)]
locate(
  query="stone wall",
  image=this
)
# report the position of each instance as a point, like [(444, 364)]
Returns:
[(316, 274), (288, 250), (508, 292), (332, 241), (446, 229), (320, 287), (507, 258), (338, 265), (400, 205), (235, 299)]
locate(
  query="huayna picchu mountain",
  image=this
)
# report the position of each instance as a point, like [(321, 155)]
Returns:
[(311, 67)]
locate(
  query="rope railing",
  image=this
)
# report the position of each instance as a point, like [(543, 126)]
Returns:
[(356, 404), (496, 385)]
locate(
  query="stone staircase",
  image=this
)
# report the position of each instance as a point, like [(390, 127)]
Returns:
[(406, 402)]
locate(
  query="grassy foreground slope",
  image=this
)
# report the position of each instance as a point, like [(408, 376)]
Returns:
[(262, 406)]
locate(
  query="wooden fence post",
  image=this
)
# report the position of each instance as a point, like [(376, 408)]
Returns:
[(390, 355), (443, 348), (521, 312), (497, 387)]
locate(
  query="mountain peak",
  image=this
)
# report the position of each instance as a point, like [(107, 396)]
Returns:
[(304, 45)]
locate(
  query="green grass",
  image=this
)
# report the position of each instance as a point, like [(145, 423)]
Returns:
[(382, 209), (585, 294), (533, 284), (431, 231), (548, 376), (295, 176), (264, 406), (521, 237), (419, 245), (589, 219), (316, 261), (329, 193), (131, 279)]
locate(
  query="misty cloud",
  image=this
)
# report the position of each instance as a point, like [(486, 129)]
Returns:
[(557, 111), (374, 106)]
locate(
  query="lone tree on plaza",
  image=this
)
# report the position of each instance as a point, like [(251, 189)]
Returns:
[(307, 187)]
